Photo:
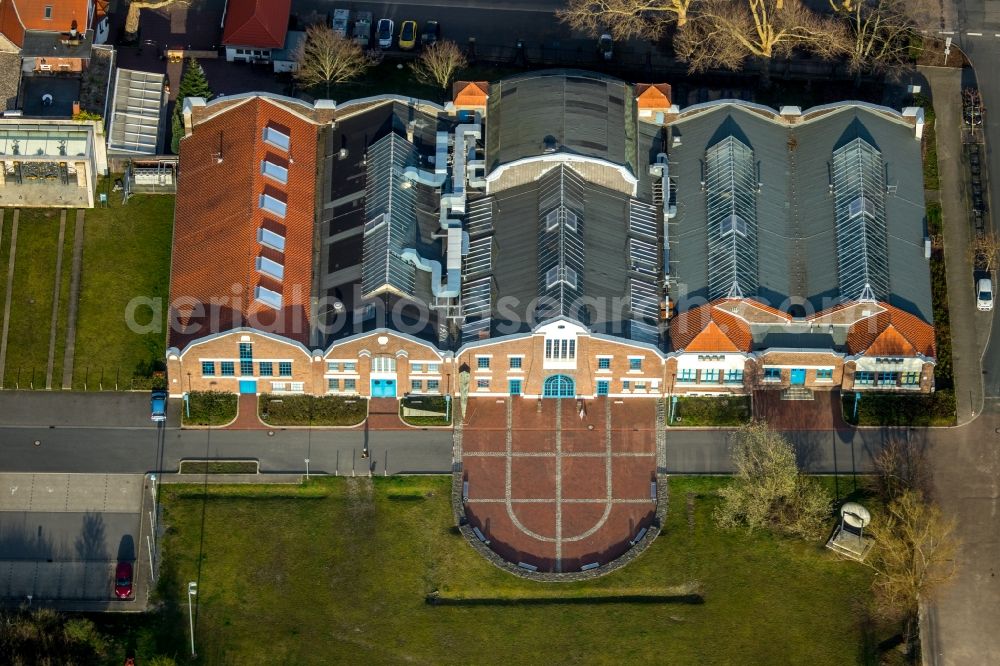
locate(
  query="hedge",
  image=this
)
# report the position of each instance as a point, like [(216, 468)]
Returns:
[(711, 411), (209, 408), (895, 409), (282, 409)]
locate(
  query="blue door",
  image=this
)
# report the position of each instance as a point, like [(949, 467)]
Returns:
[(559, 386), (514, 386), (798, 376), (248, 386), (383, 388)]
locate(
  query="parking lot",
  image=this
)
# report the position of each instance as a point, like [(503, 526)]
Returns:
[(62, 535)]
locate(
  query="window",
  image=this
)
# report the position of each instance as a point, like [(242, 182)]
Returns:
[(884, 378), (270, 267), (640, 386), (278, 386), (686, 375), (558, 274), (560, 349), (273, 205), (635, 364), (208, 368), (514, 386), (710, 376), (604, 363), (333, 366), (274, 171), (483, 362), (273, 240), (285, 368), (733, 224), (824, 374), (626, 385), (48, 12), (772, 374), (246, 368), (602, 387), (482, 383), (266, 369), (864, 378), (416, 385), (228, 369), (383, 364), (433, 367), (332, 384), (350, 384), (416, 367), (277, 138), (350, 366), (911, 378), (734, 376), (432, 385), (267, 297), (246, 358), (296, 386), (515, 362)]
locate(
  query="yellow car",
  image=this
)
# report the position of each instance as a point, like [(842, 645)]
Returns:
[(408, 35)]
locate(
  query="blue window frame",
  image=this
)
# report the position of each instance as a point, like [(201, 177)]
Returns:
[(824, 373), (734, 376), (514, 386), (332, 384), (416, 385), (208, 368), (635, 364), (266, 369), (602, 386), (228, 369), (350, 384), (515, 362), (864, 377), (483, 362), (604, 364), (559, 386), (432, 385), (686, 375), (772, 374), (886, 378), (246, 358), (285, 368), (710, 376)]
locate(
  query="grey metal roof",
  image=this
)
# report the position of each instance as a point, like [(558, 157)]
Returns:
[(797, 240), (576, 112), (136, 112), (53, 44)]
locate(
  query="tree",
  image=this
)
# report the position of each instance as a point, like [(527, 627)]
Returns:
[(879, 32), (914, 555), (438, 63), (984, 250), (900, 466), (132, 18), (626, 19), (194, 83), (327, 58), (768, 490), (727, 32), (43, 636)]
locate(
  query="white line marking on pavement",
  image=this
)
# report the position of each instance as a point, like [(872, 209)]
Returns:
[(974, 34)]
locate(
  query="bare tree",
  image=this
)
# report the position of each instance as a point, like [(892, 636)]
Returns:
[(900, 467), (768, 490), (984, 250), (727, 32), (626, 19), (327, 58), (132, 18), (915, 555), (438, 63), (879, 32)]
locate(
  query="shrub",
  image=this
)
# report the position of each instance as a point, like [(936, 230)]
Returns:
[(710, 411), (210, 408), (303, 410), (894, 409)]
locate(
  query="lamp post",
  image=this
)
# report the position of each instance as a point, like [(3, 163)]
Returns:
[(307, 469), (192, 591)]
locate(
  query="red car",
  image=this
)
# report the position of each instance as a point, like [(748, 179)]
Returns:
[(123, 580)]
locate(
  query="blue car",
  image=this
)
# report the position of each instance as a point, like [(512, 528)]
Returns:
[(158, 405)]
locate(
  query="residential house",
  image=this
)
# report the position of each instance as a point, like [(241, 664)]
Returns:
[(253, 29)]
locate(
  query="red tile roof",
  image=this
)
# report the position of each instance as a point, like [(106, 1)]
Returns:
[(259, 23), (470, 93), (653, 95), (891, 332), (16, 16), (218, 217), (708, 328)]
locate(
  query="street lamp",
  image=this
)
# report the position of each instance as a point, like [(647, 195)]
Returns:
[(307, 469), (192, 591)]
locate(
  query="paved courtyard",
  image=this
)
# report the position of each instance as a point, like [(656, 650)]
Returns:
[(560, 484)]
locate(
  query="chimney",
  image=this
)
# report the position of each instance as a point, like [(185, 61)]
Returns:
[(190, 104), (76, 109), (915, 116)]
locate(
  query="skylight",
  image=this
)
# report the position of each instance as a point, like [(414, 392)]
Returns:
[(273, 205), (730, 200), (271, 239), (267, 297), (277, 138), (269, 267), (274, 171)]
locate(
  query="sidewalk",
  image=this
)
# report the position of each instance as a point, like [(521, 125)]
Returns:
[(967, 348)]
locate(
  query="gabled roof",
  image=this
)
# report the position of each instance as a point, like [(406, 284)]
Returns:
[(710, 328), (470, 93), (891, 332), (221, 253), (653, 95), (260, 23)]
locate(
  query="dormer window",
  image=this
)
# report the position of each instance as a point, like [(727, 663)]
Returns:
[(277, 138)]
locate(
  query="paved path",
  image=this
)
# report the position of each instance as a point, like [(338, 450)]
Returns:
[(69, 354), (56, 290), (7, 297), (946, 89)]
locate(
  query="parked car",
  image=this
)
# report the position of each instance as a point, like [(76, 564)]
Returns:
[(341, 17), (123, 580), (984, 294), (158, 406), (384, 29), (431, 34), (606, 46), (363, 29), (408, 35)]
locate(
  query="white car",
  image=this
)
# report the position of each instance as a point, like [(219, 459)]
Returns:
[(384, 31), (984, 294)]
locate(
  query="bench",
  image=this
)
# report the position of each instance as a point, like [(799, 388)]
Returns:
[(529, 567), (590, 567), (638, 537), (480, 535), (465, 492), (652, 491)]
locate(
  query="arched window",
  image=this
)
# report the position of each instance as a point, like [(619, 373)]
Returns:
[(559, 386)]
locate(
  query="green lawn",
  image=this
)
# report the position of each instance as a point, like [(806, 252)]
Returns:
[(694, 411), (338, 571), (31, 298), (126, 255)]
